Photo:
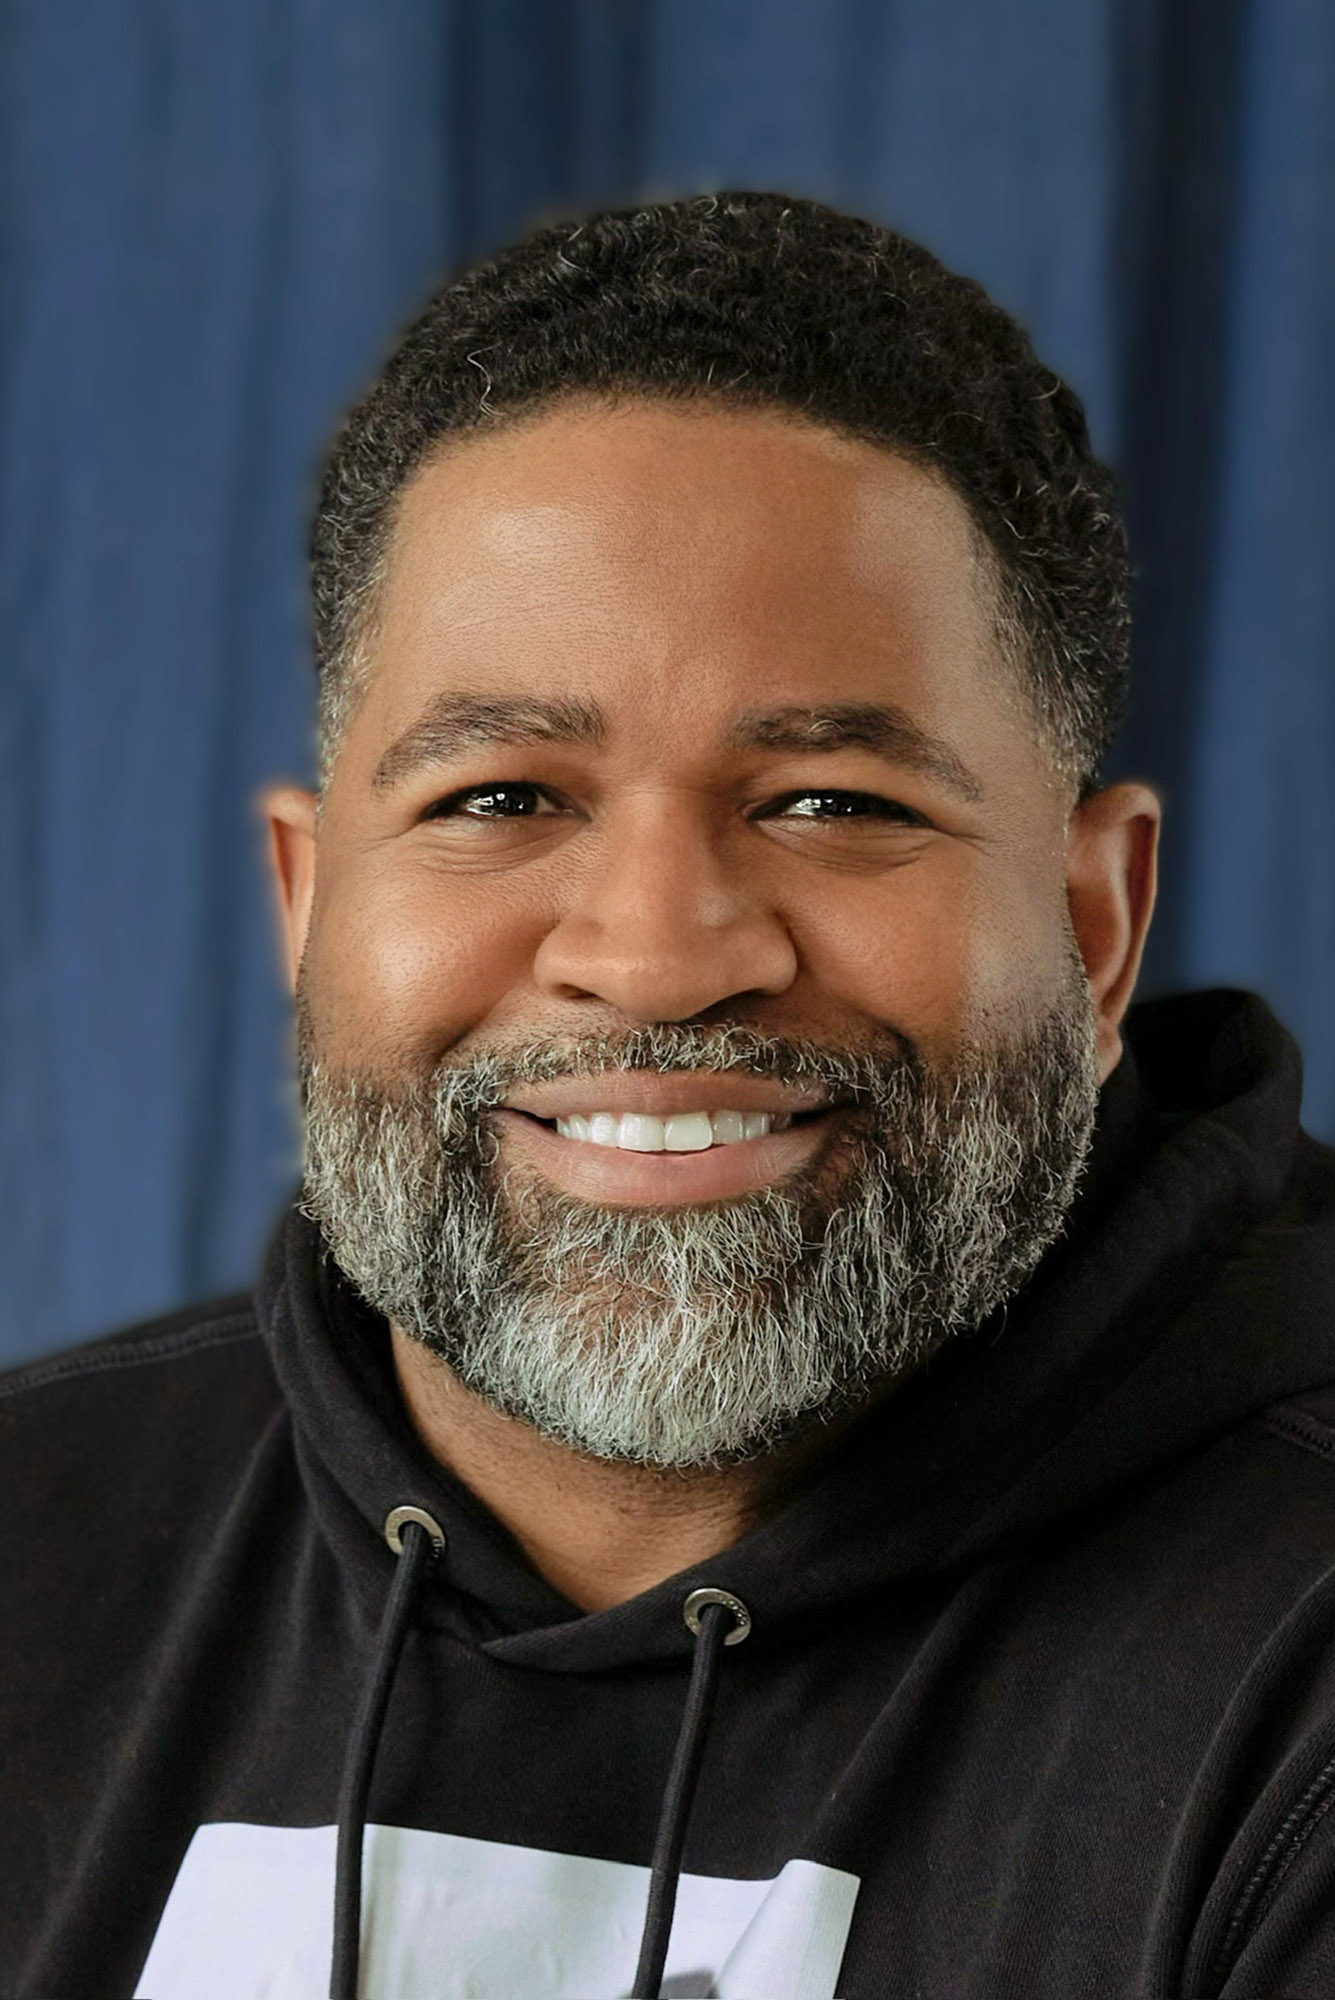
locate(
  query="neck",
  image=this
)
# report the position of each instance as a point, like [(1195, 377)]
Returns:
[(599, 1532)]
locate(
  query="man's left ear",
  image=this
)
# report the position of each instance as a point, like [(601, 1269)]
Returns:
[(1110, 879)]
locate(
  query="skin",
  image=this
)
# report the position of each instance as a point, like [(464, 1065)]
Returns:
[(678, 569)]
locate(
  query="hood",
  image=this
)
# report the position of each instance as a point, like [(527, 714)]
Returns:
[(1194, 1286)]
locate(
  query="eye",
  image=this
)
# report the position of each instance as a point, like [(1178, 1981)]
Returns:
[(508, 801), (840, 806)]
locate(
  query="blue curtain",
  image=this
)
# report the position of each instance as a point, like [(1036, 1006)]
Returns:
[(212, 220)]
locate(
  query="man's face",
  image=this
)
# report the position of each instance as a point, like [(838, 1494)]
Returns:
[(695, 718)]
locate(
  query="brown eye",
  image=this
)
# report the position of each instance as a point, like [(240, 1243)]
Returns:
[(842, 806), (495, 802)]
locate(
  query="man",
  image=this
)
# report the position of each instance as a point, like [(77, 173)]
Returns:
[(787, 1448)]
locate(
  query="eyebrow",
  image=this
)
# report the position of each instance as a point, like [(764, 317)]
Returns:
[(859, 725), (454, 723), (458, 722)]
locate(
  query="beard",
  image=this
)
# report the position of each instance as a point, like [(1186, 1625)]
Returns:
[(688, 1337)]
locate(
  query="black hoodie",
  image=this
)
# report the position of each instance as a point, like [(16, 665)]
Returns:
[(1039, 1698)]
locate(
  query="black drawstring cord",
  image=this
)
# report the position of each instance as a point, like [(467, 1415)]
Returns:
[(718, 1619), (410, 1533)]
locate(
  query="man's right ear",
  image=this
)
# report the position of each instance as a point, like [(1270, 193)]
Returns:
[(289, 817)]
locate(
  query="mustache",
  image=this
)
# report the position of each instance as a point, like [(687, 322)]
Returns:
[(480, 1080)]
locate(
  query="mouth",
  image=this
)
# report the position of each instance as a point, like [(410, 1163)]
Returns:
[(675, 1132), (664, 1149)]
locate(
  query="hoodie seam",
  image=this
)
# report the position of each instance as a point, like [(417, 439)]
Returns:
[(169, 1347), (1257, 1896), (1300, 1427)]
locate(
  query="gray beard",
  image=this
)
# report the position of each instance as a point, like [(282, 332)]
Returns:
[(700, 1336)]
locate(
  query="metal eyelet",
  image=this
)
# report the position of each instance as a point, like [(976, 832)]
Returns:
[(397, 1520), (697, 1601)]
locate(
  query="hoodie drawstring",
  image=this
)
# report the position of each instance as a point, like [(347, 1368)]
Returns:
[(416, 1539), (707, 1613), (717, 1619)]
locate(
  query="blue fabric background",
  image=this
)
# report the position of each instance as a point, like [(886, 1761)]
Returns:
[(212, 219)]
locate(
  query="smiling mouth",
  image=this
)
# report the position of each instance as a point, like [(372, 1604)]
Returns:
[(677, 1132)]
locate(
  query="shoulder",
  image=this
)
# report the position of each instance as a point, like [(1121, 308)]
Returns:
[(1266, 1926), (191, 1330), (159, 1356), (192, 1387), (125, 1466)]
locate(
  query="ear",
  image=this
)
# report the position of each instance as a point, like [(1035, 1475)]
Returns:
[(289, 817), (1110, 878)]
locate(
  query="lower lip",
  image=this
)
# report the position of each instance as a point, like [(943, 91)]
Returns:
[(658, 1180)]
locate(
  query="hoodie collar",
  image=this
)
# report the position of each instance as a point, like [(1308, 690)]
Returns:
[(1192, 1287)]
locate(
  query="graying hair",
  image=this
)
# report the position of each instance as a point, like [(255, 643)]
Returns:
[(770, 302)]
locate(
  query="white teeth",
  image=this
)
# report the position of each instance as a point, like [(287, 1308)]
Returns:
[(683, 1132), (729, 1127), (688, 1132), (640, 1134)]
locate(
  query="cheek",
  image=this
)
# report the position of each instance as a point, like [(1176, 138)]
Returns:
[(939, 952), (398, 966)]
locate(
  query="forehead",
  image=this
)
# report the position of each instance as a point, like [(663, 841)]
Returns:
[(677, 563)]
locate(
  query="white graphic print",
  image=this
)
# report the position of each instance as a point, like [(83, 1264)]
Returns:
[(446, 1918)]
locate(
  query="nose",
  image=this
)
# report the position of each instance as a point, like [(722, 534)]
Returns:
[(664, 928)]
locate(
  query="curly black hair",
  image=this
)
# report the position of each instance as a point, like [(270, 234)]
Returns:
[(762, 300)]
